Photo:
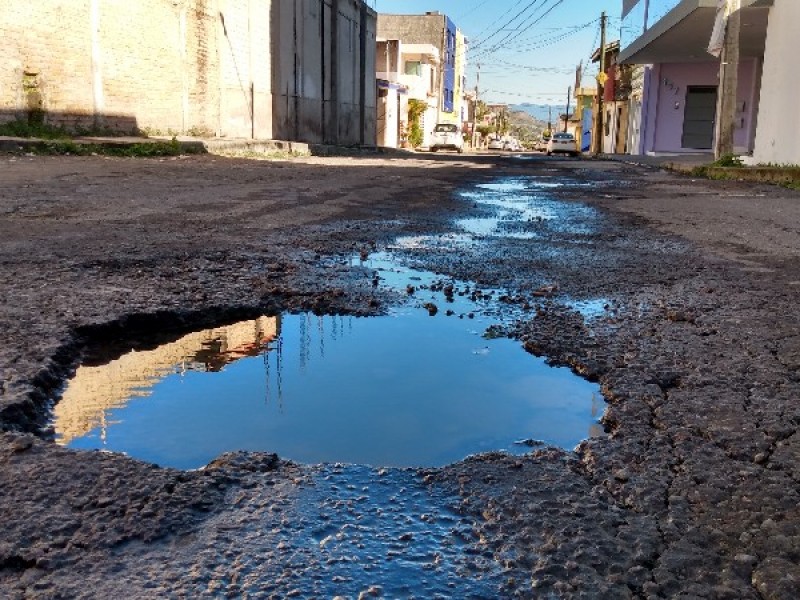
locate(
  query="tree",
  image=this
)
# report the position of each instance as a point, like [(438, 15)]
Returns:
[(416, 108)]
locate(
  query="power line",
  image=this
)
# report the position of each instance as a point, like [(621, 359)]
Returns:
[(530, 5), (540, 19), (527, 21)]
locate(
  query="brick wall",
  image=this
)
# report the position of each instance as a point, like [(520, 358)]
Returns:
[(220, 67), (112, 63), (46, 57)]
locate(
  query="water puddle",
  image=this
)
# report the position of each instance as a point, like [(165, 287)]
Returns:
[(423, 386), (408, 389), (521, 209)]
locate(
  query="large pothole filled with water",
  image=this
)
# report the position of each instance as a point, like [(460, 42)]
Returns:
[(408, 389), (427, 385)]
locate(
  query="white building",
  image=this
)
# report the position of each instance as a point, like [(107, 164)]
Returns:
[(778, 131), (405, 72)]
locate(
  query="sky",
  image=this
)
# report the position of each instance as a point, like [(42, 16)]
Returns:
[(537, 61)]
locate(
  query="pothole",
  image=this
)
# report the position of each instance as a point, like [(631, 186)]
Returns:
[(423, 386)]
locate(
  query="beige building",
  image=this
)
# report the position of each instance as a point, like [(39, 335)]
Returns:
[(279, 69)]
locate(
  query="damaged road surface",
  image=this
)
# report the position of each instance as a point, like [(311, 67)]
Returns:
[(678, 297)]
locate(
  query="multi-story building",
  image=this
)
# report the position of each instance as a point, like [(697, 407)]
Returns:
[(279, 69), (432, 31), (405, 72), (675, 98)]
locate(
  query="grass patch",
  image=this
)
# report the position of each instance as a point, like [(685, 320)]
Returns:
[(146, 150), (728, 161), (43, 131)]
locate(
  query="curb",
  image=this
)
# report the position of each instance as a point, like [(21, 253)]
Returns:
[(16, 145)]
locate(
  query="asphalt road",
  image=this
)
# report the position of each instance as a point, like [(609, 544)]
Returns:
[(693, 492)]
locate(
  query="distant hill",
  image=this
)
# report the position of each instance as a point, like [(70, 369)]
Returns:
[(524, 126), (539, 111)]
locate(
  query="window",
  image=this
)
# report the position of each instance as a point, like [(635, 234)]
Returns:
[(414, 67), (445, 128)]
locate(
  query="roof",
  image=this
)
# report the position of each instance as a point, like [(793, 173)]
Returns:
[(611, 47)]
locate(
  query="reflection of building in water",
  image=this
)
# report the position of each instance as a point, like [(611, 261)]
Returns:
[(95, 390)]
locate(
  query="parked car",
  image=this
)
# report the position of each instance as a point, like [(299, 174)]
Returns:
[(496, 144), (447, 136), (512, 146), (562, 143), (541, 143)]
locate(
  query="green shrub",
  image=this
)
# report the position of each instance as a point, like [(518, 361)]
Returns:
[(728, 160)]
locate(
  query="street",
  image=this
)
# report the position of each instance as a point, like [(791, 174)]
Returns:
[(693, 490)]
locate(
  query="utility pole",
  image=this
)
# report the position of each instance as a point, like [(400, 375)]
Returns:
[(550, 119), (725, 126), (475, 109), (566, 114), (601, 89)]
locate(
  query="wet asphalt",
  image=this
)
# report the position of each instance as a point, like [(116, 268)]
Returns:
[(692, 490)]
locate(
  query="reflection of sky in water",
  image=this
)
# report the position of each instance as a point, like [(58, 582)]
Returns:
[(407, 390), (520, 201), (589, 308), (403, 390)]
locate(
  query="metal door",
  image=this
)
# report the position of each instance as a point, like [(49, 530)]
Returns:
[(698, 117), (586, 134)]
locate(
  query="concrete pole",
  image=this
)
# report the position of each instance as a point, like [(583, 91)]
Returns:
[(725, 126)]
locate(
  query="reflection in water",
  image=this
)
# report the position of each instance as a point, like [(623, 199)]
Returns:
[(521, 209), (408, 389), (402, 390), (94, 391)]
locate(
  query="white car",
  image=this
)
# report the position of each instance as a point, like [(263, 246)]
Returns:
[(447, 136), (564, 143), (496, 144)]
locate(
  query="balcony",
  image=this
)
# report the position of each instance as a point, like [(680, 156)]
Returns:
[(655, 31)]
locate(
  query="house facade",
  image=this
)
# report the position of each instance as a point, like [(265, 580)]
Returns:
[(407, 72), (433, 41), (676, 90), (278, 69)]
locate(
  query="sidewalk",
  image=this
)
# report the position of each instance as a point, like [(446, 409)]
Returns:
[(684, 163), (193, 145)]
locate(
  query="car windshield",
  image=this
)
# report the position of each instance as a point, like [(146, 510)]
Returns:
[(446, 129), (564, 136)]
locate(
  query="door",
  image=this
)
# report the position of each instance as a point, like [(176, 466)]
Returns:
[(698, 117), (586, 133)]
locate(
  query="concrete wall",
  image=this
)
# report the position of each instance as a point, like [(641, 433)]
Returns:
[(281, 69), (777, 139), (665, 98), (324, 81)]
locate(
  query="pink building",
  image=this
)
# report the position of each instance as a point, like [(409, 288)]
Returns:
[(675, 105)]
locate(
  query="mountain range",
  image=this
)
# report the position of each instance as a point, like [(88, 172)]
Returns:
[(540, 111)]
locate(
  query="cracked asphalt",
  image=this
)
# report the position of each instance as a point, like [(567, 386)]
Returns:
[(692, 493)]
